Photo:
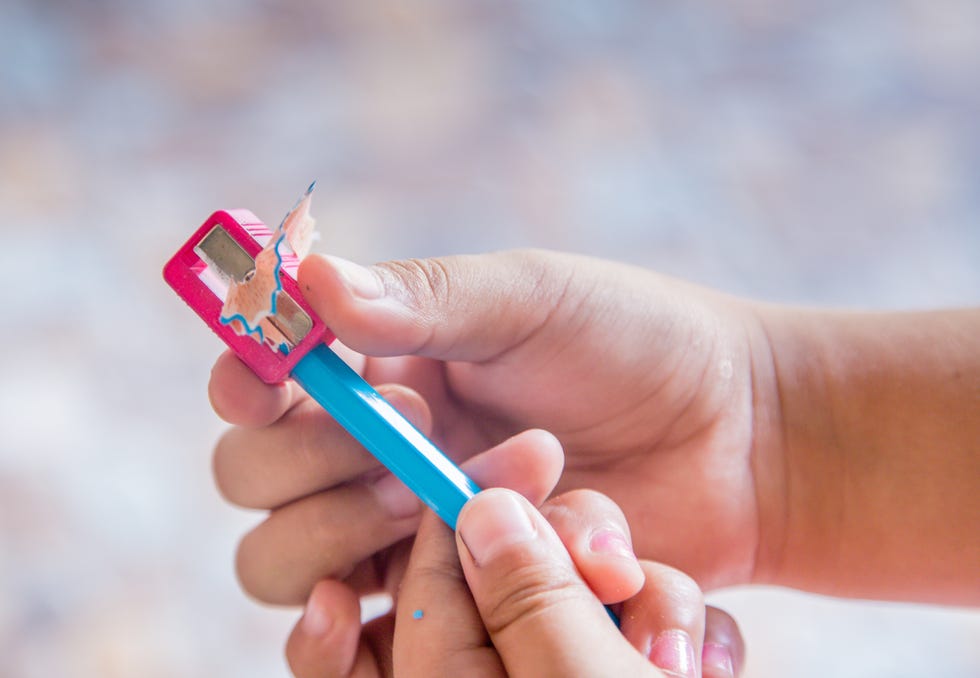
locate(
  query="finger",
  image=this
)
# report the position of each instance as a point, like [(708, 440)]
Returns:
[(324, 642), (377, 639), (437, 629), (723, 655), (318, 537), (436, 307), (594, 531), (239, 397), (529, 463), (303, 452), (665, 620), (538, 611), (325, 534)]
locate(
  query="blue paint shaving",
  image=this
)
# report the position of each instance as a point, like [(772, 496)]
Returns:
[(418, 614)]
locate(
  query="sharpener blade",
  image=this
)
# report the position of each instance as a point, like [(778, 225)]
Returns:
[(227, 255), (232, 263)]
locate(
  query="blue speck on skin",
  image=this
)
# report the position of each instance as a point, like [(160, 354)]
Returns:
[(418, 614)]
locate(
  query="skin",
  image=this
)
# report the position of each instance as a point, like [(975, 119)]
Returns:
[(879, 432), (521, 607), (828, 451), (651, 433)]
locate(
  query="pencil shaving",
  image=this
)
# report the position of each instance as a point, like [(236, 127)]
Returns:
[(252, 302)]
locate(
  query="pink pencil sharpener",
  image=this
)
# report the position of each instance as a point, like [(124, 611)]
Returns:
[(222, 252)]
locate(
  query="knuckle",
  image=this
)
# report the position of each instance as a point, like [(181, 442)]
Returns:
[(587, 496), (583, 509), (550, 273), (223, 468), (325, 538), (434, 576), (529, 591), (246, 572), (686, 590), (581, 499), (278, 561), (427, 288), (424, 280), (685, 596)]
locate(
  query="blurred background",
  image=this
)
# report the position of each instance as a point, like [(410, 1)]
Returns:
[(821, 152)]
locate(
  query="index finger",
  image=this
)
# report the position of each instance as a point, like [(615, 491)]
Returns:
[(239, 397), (438, 630)]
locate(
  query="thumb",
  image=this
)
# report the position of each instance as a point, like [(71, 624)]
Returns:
[(470, 308), (541, 616)]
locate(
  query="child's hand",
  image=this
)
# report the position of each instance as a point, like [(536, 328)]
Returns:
[(743, 442), (533, 610), (646, 382)]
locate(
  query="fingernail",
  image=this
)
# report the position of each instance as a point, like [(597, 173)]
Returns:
[(610, 541), (497, 520), (673, 652), (361, 281), (315, 621), (719, 658), (395, 498)]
